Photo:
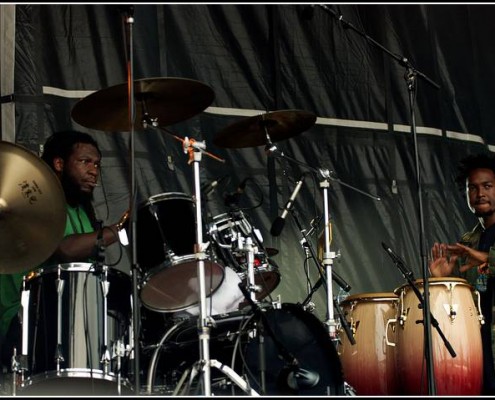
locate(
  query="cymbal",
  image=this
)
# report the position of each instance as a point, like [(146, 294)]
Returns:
[(251, 132), (164, 100), (32, 209)]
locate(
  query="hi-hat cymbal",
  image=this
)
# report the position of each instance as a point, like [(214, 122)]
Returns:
[(252, 131), (32, 209), (164, 101)]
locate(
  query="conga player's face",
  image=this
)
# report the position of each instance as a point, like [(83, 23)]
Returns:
[(481, 192)]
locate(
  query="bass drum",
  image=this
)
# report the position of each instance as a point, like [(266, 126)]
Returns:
[(283, 335)]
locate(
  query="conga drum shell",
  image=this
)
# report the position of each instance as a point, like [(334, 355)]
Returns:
[(452, 306), (369, 364)]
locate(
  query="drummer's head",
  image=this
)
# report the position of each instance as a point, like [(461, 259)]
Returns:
[(75, 157)]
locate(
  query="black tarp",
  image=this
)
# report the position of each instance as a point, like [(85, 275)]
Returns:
[(266, 57)]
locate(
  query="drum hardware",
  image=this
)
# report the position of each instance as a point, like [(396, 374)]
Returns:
[(230, 233), (308, 247), (328, 257), (203, 366)]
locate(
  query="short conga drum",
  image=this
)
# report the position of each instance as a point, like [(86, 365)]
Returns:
[(369, 364), (452, 305)]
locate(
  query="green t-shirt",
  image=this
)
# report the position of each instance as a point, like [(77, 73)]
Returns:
[(11, 284)]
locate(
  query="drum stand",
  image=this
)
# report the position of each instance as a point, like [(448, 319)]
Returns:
[(204, 364)]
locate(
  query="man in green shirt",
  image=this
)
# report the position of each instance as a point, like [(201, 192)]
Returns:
[(76, 159)]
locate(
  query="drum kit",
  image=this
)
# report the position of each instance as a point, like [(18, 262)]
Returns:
[(77, 318), (202, 298)]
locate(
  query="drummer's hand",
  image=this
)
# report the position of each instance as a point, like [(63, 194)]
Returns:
[(473, 257), (441, 263)]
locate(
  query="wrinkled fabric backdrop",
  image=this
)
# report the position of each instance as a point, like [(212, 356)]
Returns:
[(351, 73)]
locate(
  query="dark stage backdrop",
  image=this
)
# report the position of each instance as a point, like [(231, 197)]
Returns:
[(351, 73)]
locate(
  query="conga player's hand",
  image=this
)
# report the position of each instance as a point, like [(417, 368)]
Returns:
[(441, 262), (473, 257)]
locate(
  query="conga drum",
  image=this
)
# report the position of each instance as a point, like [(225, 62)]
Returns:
[(369, 364), (453, 307)]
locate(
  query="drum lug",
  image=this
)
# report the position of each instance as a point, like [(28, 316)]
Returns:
[(481, 318)]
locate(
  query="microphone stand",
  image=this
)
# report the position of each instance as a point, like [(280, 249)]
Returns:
[(129, 19), (328, 256), (407, 273), (343, 284), (410, 77)]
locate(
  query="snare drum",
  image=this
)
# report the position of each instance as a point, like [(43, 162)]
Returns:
[(68, 331), (166, 238)]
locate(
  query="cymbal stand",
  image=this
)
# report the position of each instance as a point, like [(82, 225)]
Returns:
[(20, 363), (204, 364)]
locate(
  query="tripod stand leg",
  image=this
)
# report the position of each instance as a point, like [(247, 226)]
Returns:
[(234, 377), (193, 372)]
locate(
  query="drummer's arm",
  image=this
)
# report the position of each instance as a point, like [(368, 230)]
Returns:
[(83, 246)]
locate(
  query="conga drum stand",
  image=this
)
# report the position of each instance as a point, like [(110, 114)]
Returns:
[(204, 364)]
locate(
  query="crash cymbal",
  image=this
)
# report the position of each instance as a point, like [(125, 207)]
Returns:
[(32, 209), (251, 132), (164, 100)]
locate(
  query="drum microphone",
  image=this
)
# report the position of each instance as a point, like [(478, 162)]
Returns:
[(209, 188), (279, 222), (296, 378), (233, 198), (398, 261)]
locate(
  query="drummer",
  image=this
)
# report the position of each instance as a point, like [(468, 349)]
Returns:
[(473, 257), (76, 159)]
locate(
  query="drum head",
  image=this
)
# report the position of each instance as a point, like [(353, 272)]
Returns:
[(298, 336)]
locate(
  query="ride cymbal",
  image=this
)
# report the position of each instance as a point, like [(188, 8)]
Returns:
[(252, 131), (32, 209), (159, 102)]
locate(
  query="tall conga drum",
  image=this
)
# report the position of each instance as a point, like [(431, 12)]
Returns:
[(453, 307), (369, 364)]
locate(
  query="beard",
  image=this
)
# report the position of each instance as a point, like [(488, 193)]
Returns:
[(73, 193), (484, 214)]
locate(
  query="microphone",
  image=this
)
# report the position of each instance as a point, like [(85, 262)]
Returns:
[(295, 378), (397, 260), (209, 188), (302, 379), (233, 198), (314, 224), (279, 222)]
